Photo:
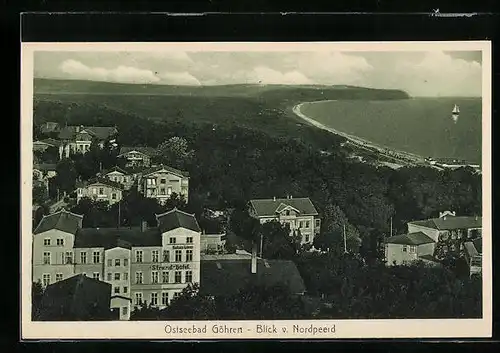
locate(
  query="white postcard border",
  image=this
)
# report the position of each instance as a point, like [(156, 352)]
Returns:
[(349, 329)]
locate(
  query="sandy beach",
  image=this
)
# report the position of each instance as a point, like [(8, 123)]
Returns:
[(402, 158)]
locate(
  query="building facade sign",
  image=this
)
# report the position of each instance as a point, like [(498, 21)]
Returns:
[(170, 267)]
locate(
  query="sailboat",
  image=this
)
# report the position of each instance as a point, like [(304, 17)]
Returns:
[(455, 113)]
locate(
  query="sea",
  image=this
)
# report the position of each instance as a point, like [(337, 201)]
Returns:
[(423, 126)]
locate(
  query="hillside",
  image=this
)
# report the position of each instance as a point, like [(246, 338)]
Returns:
[(273, 92)]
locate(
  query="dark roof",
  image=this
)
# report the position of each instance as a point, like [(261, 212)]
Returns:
[(269, 207), (49, 126), (149, 151), (175, 218), (62, 220), (50, 141), (450, 222), (226, 277), (417, 238), (99, 132), (167, 168), (71, 285), (109, 238), (105, 181), (76, 298)]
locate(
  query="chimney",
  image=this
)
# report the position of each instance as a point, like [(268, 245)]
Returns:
[(291, 197), (274, 198), (144, 226), (254, 258)]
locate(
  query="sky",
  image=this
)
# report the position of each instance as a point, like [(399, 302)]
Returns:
[(433, 73)]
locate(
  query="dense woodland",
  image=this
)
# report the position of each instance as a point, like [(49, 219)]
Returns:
[(231, 161)]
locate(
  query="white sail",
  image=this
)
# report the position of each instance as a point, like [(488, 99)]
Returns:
[(456, 110)]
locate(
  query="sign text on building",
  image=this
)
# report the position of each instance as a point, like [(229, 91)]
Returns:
[(170, 267)]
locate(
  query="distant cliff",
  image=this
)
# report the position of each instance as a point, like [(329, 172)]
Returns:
[(282, 93)]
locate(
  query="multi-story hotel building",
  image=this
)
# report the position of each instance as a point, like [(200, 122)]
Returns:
[(142, 264), (299, 213)]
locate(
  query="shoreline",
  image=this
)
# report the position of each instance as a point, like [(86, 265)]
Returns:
[(402, 157)]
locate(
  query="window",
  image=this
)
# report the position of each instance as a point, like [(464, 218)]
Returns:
[(110, 262), (125, 289), (288, 212), (96, 257), (59, 277), (166, 256), (189, 240), (162, 191), (176, 294), (301, 224), (163, 181), (164, 277), (83, 257), (46, 242), (46, 279), (117, 262), (125, 276), (189, 255), (154, 255), (154, 276), (169, 191), (101, 191), (164, 298), (138, 277), (177, 277), (113, 196), (138, 256), (125, 262), (116, 290), (109, 276), (46, 258), (60, 242), (69, 257), (307, 238), (94, 191), (405, 248), (307, 224), (96, 275), (117, 276), (189, 276), (318, 222), (125, 310), (413, 249), (138, 298), (154, 298), (172, 240), (178, 255)]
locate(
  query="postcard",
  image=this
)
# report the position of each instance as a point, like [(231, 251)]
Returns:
[(310, 190)]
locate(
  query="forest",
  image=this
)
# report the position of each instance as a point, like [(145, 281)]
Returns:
[(234, 155)]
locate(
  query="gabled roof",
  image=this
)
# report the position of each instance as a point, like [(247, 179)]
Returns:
[(62, 220), (104, 181), (114, 169), (417, 238), (283, 207), (155, 169), (269, 207), (227, 277), (109, 238), (175, 218), (148, 151), (450, 222), (99, 132)]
